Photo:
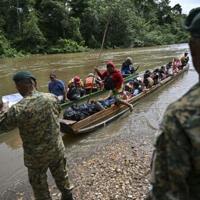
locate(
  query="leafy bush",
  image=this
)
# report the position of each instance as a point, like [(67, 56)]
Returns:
[(66, 46), (5, 49)]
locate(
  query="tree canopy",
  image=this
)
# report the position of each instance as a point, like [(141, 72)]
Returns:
[(55, 26)]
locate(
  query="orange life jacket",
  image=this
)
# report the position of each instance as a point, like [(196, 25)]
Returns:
[(90, 82)]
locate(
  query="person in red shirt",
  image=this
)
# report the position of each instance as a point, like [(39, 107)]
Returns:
[(113, 81)]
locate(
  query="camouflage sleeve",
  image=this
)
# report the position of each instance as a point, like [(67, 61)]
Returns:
[(8, 120), (171, 162)]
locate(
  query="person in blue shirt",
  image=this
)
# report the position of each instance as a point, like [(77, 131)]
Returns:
[(127, 67), (57, 87)]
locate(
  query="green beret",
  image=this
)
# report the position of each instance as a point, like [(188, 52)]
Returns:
[(23, 75), (192, 22)]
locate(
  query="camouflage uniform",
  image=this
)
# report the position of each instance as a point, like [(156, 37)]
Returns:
[(36, 116), (176, 160)]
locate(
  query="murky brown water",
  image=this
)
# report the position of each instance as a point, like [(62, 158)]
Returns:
[(143, 121)]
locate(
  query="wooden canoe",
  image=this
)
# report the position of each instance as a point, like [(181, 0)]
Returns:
[(103, 117)]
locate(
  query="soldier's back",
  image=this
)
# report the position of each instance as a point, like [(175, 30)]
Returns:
[(37, 119)]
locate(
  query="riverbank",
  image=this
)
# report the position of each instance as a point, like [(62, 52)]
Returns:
[(119, 170)]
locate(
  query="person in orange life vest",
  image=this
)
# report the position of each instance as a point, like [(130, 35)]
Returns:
[(92, 83), (113, 81)]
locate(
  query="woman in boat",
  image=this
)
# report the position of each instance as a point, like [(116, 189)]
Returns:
[(113, 81), (127, 67), (75, 89), (57, 87)]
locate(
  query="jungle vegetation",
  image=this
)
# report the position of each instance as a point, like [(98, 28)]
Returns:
[(61, 26)]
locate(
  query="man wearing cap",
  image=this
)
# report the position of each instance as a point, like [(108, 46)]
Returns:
[(36, 116), (176, 159)]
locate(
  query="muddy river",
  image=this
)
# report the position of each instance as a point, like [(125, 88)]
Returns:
[(142, 122)]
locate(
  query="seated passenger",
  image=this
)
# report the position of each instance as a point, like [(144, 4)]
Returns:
[(57, 87), (92, 83), (169, 69), (75, 89), (127, 67), (162, 73), (184, 59), (133, 87), (156, 76), (148, 80), (141, 84), (176, 65)]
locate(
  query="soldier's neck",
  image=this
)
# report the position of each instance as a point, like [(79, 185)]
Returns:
[(29, 93)]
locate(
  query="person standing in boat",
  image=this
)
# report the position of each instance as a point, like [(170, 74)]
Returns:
[(175, 163), (57, 87), (36, 116), (127, 67), (113, 81)]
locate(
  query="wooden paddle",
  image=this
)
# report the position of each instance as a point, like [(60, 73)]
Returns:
[(101, 50)]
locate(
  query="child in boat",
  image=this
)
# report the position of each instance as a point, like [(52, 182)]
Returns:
[(113, 81)]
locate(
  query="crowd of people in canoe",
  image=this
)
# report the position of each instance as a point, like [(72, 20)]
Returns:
[(112, 79)]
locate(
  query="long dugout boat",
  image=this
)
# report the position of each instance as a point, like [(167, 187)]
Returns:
[(103, 117)]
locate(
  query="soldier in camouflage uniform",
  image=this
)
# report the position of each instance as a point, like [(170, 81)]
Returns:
[(176, 159), (36, 116)]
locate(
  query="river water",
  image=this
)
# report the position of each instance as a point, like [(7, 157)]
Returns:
[(142, 122)]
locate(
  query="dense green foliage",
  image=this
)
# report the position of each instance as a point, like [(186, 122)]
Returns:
[(56, 26)]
